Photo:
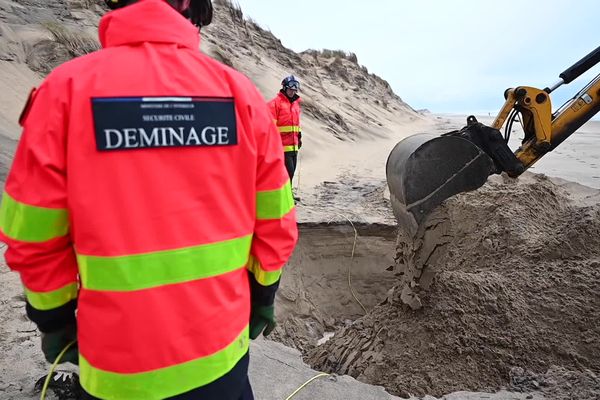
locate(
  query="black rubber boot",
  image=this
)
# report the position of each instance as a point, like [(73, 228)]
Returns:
[(63, 384)]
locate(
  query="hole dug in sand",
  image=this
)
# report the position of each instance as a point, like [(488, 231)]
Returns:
[(509, 281), (314, 299)]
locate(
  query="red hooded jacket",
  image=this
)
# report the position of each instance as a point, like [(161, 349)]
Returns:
[(286, 114), (149, 178)]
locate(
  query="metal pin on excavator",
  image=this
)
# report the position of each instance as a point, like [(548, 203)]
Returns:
[(424, 170)]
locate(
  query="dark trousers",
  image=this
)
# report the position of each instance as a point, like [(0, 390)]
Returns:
[(228, 387), (247, 395), (291, 160)]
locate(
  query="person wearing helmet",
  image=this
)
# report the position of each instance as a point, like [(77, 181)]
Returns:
[(149, 212), (285, 108)]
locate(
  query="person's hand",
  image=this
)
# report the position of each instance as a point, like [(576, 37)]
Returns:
[(262, 320), (54, 342), (299, 140)]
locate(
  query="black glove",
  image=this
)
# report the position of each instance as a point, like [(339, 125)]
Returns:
[(54, 342), (299, 140)]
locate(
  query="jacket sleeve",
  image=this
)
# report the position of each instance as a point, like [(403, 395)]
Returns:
[(275, 231), (274, 108), (34, 220)]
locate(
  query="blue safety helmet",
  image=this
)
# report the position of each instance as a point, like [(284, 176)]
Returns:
[(200, 12), (290, 82)]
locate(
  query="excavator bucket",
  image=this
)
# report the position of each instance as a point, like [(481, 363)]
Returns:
[(424, 170)]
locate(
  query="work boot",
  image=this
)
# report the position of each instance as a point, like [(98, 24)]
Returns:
[(63, 384)]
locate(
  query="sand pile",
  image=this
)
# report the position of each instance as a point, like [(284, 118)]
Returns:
[(509, 280)]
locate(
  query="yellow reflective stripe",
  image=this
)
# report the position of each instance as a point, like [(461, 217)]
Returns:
[(289, 128), (274, 204), (52, 299), (164, 382), (142, 271), (20, 221), (290, 148), (263, 277)]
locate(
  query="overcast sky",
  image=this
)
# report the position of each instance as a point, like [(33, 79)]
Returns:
[(445, 55)]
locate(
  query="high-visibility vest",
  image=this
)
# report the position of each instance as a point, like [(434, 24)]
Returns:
[(286, 114), (148, 181)]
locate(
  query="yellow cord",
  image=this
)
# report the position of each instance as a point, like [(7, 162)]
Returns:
[(47, 381), (306, 384), (350, 264)]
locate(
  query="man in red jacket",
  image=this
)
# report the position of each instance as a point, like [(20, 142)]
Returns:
[(285, 108), (148, 192)]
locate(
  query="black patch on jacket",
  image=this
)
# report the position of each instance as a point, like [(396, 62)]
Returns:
[(54, 319), (126, 123), (262, 295)]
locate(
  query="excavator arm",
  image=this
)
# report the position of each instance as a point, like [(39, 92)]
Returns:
[(424, 170)]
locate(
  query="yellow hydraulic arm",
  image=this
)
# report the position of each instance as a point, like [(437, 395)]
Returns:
[(545, 130)]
